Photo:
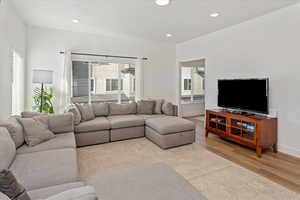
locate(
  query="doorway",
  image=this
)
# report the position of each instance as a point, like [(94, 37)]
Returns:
[(192, 88)]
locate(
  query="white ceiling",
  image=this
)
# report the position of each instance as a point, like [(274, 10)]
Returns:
[(184, 19)]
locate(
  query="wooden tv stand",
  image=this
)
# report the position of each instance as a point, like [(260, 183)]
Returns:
[(253, 131)]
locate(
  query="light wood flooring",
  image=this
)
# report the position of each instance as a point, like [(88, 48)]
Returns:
[(280, 168)]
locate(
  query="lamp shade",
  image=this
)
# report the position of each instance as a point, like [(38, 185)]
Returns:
[(42, 76)]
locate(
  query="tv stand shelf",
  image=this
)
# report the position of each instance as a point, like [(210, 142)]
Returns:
[(253, 131)]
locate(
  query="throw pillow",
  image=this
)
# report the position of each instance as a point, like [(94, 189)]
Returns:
[(35, 131), (167, 109), (158, 106), (145, 107), (100, 109), (86, 112), (81, 193), (15, 129), (7, 149), (76, 113), (11, 188)]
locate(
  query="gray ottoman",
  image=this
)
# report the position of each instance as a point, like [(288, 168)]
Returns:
[(149, 182), (169, 132)]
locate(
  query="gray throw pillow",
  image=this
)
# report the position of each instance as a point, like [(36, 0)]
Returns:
[(158, 106), (35, 131), (145, 107), (11, 188), (168, 109), (15, 129), (100, 109), (86, 112), (7, 149), (76, 113)]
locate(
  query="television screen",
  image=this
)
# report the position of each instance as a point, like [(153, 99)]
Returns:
[(244, 94)]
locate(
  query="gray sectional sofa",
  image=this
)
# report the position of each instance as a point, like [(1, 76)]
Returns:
[(101, 123), (51, 167), (47, 168)]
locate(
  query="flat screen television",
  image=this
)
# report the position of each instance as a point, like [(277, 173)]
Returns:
[(244, 94)]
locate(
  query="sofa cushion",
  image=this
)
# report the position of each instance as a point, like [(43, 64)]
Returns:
[(76, 114), (61, 141), (61, 123), (100, 109), (125, 121), (11, 187), (15, 129), (86, 112), (167, 108), (28, 114), (145, 107), (7, 149), (46, 168), (80, 193), (97, 124), (122, 109), (169, 125), (35, 132), (44, 193)]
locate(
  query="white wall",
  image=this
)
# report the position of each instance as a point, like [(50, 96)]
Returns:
[(45, 44), (12, 37), (268, 46)]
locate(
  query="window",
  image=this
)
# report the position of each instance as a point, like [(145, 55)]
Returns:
[(187, 84), (113, 84), (109, 82), (17, 103)]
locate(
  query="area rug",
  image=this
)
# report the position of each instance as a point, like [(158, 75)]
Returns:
[(147, 182), (215, 177)]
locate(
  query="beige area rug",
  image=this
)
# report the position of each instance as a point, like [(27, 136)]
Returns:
[(212, 175)]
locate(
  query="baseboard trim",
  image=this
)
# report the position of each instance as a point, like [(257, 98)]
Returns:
[(288, 150)]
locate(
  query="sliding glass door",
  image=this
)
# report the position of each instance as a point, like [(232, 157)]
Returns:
[(103, 82)]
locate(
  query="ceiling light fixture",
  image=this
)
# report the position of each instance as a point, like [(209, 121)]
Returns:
[(169, 35), (75, 21), (162, 2), (214, 15)]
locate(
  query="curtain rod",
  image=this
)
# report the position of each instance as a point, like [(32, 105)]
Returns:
[(111, 56)]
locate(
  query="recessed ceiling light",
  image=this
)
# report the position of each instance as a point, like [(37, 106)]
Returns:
[(162, 2), (75, 21), (169, 35), (214, 14)]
